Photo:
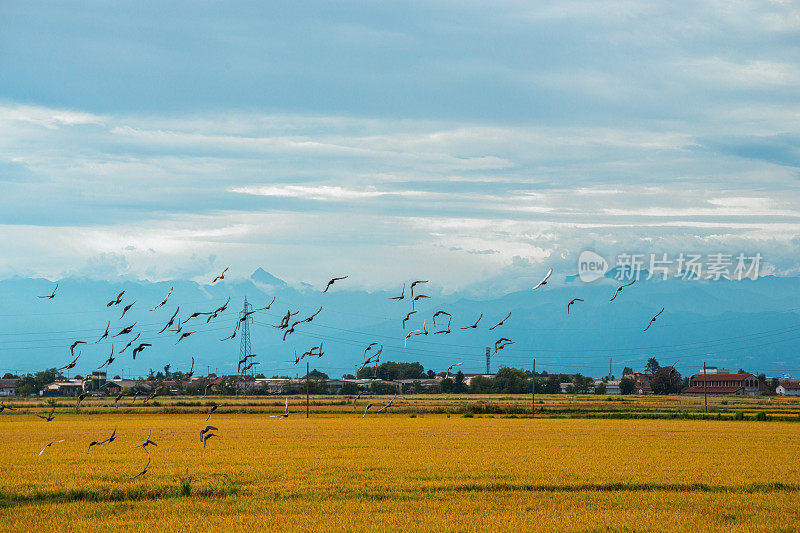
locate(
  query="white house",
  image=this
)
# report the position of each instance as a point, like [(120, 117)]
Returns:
[(8, 387), (788, 388)]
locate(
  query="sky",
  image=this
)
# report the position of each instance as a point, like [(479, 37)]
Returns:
[(472, 143)]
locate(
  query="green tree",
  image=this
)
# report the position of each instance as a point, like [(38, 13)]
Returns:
[(459, 385), (627, 371), (553, 384), (600, 388), (666, 380), (582, 384), (512, 381), (480, 385), (627, 386), (652, 366)]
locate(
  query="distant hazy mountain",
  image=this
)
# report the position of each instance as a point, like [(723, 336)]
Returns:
[(749, 324)]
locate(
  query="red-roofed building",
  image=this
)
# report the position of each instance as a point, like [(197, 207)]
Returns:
[(789, 387), (724, 384)]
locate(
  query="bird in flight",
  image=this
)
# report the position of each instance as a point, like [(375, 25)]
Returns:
[(388, 404), (136, 395), (112, 438), (572, 302), (475, 325), (126, 309), (208, 436), (116, 301), (140, 348), (213, 408), (190, 373), (3, 407), (368, 348), (544, 281), (144, 470), (130, 342), (407, 317), (146, 443), (164, 301), (439, 313), (93, 443), (81, 397), (332, 281), (206, 430), (72, 364), (184, 335), (49, 416), (445, 331), (104, 334), (402, 294), (264, 308), (449, 368), (73, 346), (409, 335), (50, 444), (417, 297), (232, 335), (220, 277), (653, 319), (52, 295), (171, 320), (152, 394), (118, 398), (284, 414), (296, 358), (502, 343), (110, 358), (369, 406), (619, 289), (125, 331), (414, 284), (501, 322), (356, 398)]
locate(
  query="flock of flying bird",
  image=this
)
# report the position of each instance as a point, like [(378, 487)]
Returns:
[(176, 325)]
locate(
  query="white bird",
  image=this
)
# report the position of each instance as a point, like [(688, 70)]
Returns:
[(388, 404), (449, 368), (544, 281), (49, 444)]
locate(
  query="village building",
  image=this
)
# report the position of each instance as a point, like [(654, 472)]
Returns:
[(739, 384)]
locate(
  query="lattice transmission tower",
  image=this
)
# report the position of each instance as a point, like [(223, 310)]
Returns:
[(244, 342)]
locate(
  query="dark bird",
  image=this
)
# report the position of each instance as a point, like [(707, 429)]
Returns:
[(440, 313), (285, 320), (3, 407), (152, 394), (309, 319), (356, 398), (246, 315), (49, 416), (544, 281), (72, 364), (93, 443), (220, 277), (190, 373), (126, 309), (197, 314), (73, 346), (414, 284), (104, 334), (81, 397), (249, 366), (409, 335), (116, 301), (268, 306), (184, 335), (619, 289), (110, 358), (213, 408), (368, 348), (291, 329), (206, 430), (653, 319), (296, 358), (135, 395), (125, 331), (209, 386), (112, 438), (502, 343), (208, 436), (445, 331), (171, 320), (407, 317), (417, 297), (572, 302), (146, 443), (402, 294), (130, 342), (118, 398), (284, 414), (232, 335), (424, 329), (144, 470), (449, 368), (332, 281), (475, 325), (224, 306), (140, 349), (501, 322), (164, 301), (369, 406), (50, 444), (52, 295)]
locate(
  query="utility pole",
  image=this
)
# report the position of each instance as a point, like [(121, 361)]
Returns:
[(488, 355), (705, 386), (533, 389), (307, 388), (609, 368)]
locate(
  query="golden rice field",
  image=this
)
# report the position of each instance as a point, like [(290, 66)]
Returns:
[(394, 472)]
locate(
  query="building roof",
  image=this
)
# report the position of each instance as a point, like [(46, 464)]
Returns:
[(712, 390), (722, 377), (790, 385), (8, 383)]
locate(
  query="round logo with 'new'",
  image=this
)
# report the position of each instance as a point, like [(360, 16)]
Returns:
[(591, 266)]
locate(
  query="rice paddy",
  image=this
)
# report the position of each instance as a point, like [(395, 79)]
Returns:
[(397, 472)]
